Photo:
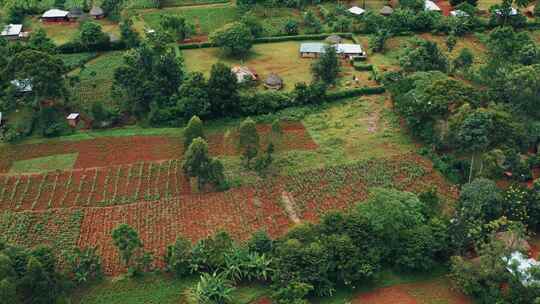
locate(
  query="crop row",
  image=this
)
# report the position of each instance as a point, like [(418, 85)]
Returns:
[(93, 187)]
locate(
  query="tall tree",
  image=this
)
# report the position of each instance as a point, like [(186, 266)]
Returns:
[(197, 161), (235, 39), (223, 90), (194, 129), (194, 99), (326, 68), (129, 36), (40, 42), (177, 26), (91, 35), (127, 241), (248, 141)]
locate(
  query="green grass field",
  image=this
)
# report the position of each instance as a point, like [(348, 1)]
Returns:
[(61, 33), (282, 58), (44, 164), (96, 78), (206, 19), (153, 289)]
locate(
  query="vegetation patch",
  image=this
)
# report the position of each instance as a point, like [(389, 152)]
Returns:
[(44, 164)]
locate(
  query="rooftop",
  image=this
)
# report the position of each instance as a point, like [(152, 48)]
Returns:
[(518, 264), (357, 10), (12, 30), (55, 13), (431, 6)]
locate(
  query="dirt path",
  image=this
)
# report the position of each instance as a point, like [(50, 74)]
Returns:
[(290, 206)]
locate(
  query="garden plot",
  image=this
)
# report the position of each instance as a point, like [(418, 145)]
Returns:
[(44, 164)]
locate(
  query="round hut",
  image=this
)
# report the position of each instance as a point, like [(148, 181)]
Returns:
[(386, 10), (334, 39), (274, 82), (97, 12)]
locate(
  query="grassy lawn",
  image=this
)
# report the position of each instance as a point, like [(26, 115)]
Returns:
[(153, 289), (61, 33), (486, 4), (73, 61), (96, 78), (205, 19), (281, 58), (44, 164), (171, 3)]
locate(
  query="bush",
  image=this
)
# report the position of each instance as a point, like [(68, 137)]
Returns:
[(362, 66), (355, 92), (178, 258), (212, 288), (84, 265)]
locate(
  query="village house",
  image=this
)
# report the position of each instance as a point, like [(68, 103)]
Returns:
[(73, 119), (430, 6), (22, 86), (357, 11), (12, 31), (75, 13), (55, 15), (349, 51), (386, 10), (244, 73), (97, 12), (459, 14), (273, 82)]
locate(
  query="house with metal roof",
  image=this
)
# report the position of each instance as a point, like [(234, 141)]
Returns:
[(499, 12), (12, 31), (355, 10), (22, 86), (459, 13), (430, 6), (521, 266), (314, 49), (55, 15)]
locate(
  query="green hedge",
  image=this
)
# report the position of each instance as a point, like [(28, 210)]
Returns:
[(332, 96), (359, 66)]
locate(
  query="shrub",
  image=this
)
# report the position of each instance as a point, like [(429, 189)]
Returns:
[(211, 288), (178, 258), (84, 265)]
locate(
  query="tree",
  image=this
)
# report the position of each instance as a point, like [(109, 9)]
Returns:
[(423, 55), (91, 36), (179, 28), (127, 241), (193, 130), (523, 88), (473, 135), (8, 290), (464, 60), (40, 42), (248, 140), (178, 257), (84, 265), (326, 68), (235, 39), (194, 99), (45, 71), (260, 242), (129, 36), (209, 254), (253, 23), (197, 161), (451, 41), (216, 174), (38, 285), (378, 40), (291, 27), (223, 90), (312, 23), (113, 8)]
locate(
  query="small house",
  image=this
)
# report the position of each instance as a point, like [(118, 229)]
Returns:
[(97, 12), (357, 11), (529, 10), (22, 86), (459, 14), (75, 13), (386, 10), (519, 265), (273, 82), (311, 49), (55, 15), (430, 6), (499, 12), (244, 73), (350, 51), (12, 31), (334, 39), (73, 119)]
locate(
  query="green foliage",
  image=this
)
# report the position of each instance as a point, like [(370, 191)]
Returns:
[(235, 39), (223, 90), (326, 68), (196, 160), (311, 22), (178, 258), (423, 55), (464, 60), (293, 293), (378, 40), (40, 42), (212, 288), (84, 265), (260, 242), (130, 37), (52, 122), (127, 241), (291, 27), (241, 265), (194, 98), (193, 130), (208, 255), (177, 26), (91, 36)]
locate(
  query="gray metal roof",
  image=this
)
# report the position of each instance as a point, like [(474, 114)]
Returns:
[(96, 11), (312, 47), (55, 13), (12, 30)]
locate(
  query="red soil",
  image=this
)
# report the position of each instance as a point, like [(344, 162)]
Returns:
[(389, 295), (264, 300)]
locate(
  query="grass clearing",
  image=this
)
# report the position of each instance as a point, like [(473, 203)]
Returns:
[(73, 61), (44, 164), (282, 58), (62, 33), (154, 289), (205, 18)]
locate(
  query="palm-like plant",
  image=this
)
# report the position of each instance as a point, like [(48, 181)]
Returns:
[(244, 265), (212, 289)]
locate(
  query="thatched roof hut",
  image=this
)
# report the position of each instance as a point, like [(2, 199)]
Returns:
[(97, 12), (273, 81), (386, 10)]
